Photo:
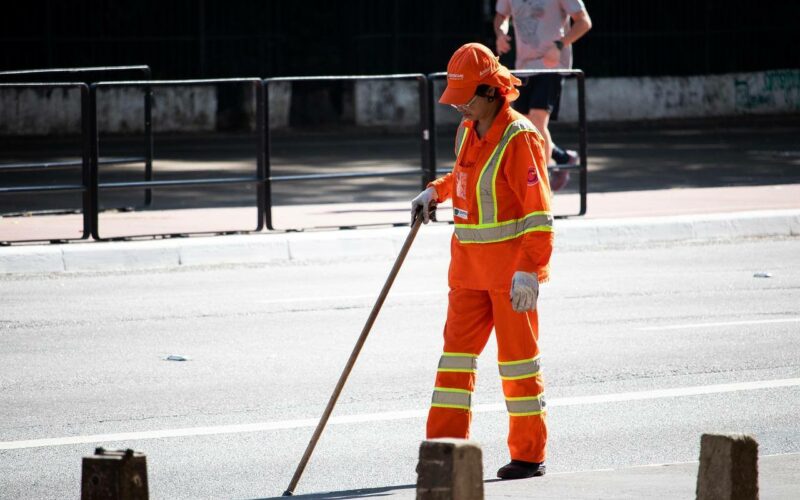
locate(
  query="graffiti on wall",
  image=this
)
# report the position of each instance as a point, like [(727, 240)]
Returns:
[(776, 90)]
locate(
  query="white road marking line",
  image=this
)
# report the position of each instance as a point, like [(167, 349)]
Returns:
[(725, 323), (659, 393), (392, 415)]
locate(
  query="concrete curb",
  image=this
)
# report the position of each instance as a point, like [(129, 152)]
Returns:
[(641, 230), (328, 246)]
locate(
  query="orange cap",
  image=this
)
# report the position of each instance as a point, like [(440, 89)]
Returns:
[(474, 64)]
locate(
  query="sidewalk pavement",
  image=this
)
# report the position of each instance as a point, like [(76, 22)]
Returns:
[(778, 480), (613, 219)]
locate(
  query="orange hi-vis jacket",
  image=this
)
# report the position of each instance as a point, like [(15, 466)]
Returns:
[(501, 204)]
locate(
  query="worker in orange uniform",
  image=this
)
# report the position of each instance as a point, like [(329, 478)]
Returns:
[(500, 252)]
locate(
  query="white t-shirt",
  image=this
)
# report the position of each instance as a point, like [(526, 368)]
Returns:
[(537, 23)]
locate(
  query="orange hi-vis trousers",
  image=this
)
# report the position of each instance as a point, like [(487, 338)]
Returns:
[(471, 315)]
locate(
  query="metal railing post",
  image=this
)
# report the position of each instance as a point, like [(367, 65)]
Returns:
[(267, 182), (87, 126), (583, 152), (93, 161), (261, 154), (425, 131), (148, 138)]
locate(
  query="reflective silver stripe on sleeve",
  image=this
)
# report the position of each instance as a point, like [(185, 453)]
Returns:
[(492, 233), (524, 368), (486, 186), (461, 135), (444, 397), (522, 407), (458, 362)]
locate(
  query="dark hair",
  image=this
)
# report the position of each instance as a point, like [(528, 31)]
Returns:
[(482, 90)]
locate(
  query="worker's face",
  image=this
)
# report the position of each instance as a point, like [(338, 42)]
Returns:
[(478, 107)]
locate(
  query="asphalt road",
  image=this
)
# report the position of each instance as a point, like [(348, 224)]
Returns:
[(644, 350)]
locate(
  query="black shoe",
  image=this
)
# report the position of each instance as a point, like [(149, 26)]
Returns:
[(517, 469)]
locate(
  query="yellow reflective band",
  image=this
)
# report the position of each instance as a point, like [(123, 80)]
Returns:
[(525, 398), (455, 354), (454, 407), (516, 370), (485, 192), (448, 389), (517, 362), (480, 180), (502, 231), (463, 131), (526, 414), (547, 216), (520, 377), (494, 174)]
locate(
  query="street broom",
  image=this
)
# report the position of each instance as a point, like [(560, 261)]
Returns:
[(354, 355)]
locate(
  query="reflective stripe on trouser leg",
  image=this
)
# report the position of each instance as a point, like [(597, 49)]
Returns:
[(525, 406), (469, 324), (520, 371), (458, 362), (450, 414), (449, 397)]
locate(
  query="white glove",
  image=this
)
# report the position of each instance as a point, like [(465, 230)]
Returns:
[(524, 291), (423, 202)]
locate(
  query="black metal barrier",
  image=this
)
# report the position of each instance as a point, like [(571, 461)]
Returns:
[(85, 74), (89, 75), (86, 125), (259, 179), (90, 186), (581, 167), (424, 133)]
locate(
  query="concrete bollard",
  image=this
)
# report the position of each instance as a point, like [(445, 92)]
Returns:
[(728, 467), (449, 469), (114, 475)]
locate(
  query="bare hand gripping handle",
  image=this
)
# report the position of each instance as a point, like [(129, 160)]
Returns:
[(354, 355)]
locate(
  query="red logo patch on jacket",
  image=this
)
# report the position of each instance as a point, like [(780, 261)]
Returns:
[(533, 176)]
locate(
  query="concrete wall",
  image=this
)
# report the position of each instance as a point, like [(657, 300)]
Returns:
[(394, 103), (40, 111), (120, 110), (627, 99), (175, 109), (195, 108), (632, 99), (280, 100)]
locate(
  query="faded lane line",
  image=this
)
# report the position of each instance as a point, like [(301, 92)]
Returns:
[(393, 415), (725, 323)]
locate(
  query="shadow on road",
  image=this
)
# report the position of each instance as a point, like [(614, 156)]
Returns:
[(361, 493), (621, 158)]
